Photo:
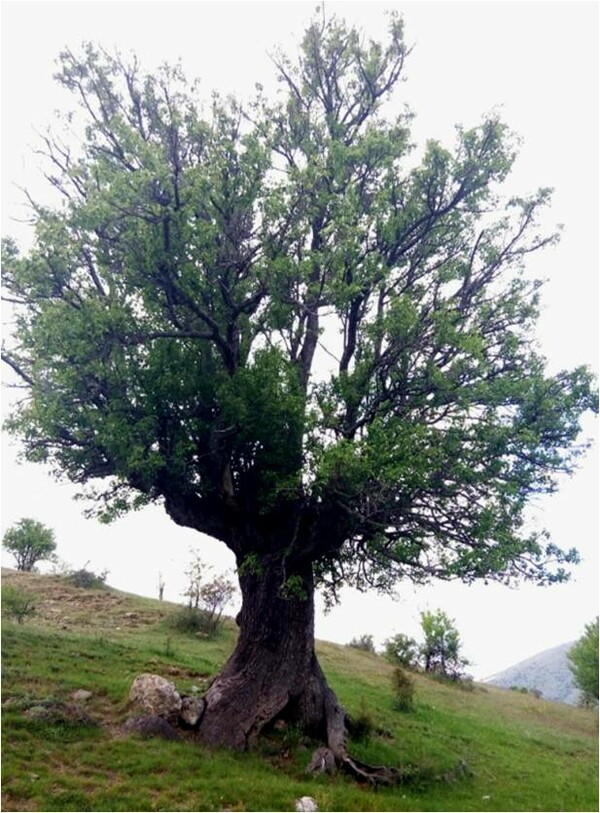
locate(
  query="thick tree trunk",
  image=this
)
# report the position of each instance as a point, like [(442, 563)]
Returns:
[(273, 671)]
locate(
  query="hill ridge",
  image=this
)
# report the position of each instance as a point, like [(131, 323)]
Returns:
[(547, 671)]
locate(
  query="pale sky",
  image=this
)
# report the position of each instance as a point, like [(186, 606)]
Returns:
[(537, 63)]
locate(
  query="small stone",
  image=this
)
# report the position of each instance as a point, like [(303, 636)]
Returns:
[(306, 803), (37, 713), (81, 695), (192, 709), (54, 712)]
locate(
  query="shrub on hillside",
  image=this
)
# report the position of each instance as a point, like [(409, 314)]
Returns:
[(87, 578), (403, 686), (361, 727), (17, 604), (207, 599), (402, 650), (363, 642), (194, 621)]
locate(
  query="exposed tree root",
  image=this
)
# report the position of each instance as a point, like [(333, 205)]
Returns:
[(273, 674), (374, 775)]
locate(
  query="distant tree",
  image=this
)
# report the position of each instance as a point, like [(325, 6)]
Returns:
[(30, 542), (194, 574), (402, 650), (584, 663), (215, 595), (299, 338), (440, 650)]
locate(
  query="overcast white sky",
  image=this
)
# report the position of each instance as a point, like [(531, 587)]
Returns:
[(535, 61)]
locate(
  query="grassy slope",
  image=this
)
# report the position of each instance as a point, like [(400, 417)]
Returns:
[(524, 754)]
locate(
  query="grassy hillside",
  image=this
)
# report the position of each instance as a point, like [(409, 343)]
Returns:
[(521, 753)]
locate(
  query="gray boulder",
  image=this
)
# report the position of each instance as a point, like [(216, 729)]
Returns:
[(150, 725), (156, 696)]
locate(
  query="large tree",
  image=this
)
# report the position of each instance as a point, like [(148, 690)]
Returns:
[(299, 338)]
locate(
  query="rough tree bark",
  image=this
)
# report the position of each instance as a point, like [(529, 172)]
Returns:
[(274, 673)]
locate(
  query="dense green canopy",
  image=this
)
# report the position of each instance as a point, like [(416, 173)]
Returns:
[(30, 542), (286, 324)]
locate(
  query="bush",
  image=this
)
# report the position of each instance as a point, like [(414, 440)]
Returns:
[(87, 578), (206, 599), (402, 650), (364, 643), (17, 604), (193, 621), (361, 727), (403, 686)]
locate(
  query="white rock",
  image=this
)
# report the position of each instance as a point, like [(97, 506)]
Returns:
[(306, 803)]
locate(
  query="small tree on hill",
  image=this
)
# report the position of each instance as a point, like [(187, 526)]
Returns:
[(194, 574), (215, 595), (584, 664), (402, 650), (208, 596), (30, 542), (440, 650)]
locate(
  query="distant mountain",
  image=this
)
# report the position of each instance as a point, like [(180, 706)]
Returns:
[(548, 672)]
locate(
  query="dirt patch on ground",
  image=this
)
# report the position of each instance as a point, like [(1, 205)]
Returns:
[(61, 604)]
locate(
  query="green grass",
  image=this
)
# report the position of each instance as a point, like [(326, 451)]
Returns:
[(521, 753)]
